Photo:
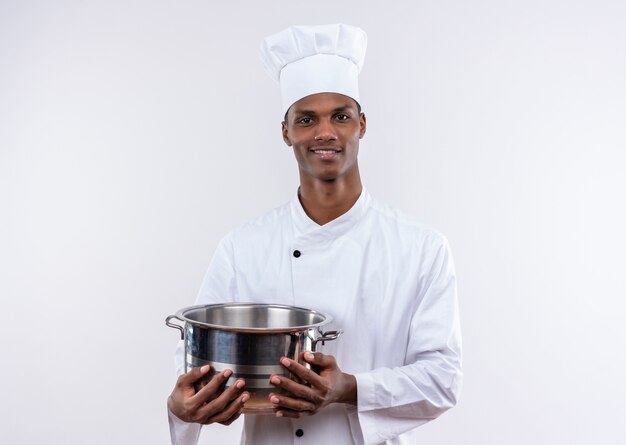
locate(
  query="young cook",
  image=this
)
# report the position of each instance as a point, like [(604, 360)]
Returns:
[(387, 281)]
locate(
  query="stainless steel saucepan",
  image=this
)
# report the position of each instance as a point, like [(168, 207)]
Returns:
[(249, 339)]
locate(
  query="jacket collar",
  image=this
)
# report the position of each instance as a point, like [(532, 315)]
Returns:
[(309, 229)]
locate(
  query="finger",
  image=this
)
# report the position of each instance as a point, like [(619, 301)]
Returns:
[(212, 389), (281, 401), (219, 402), (301, 371), (226, 405), (231, 420), (231, 412), (293, 414), (188, 379), (321, 360), (297, 389)]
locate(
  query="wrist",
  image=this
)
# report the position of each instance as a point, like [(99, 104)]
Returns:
[(349, 394), (171, 407)]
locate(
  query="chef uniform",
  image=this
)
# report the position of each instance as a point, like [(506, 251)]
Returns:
[(387, 281)]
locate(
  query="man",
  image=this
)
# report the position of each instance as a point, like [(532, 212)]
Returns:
[(387, 281)]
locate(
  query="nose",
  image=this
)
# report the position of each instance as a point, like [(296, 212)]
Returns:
[(325, 131)]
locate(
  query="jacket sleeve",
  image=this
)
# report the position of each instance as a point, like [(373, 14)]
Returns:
[(218, 286), (394, 400)]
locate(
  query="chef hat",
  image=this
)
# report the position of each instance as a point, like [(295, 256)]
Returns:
[(307, 60)]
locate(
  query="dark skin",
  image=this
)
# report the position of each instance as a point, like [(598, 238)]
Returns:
[(211, 404), (330, 184), (324, 131)]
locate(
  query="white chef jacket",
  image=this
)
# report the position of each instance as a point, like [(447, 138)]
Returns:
[(389, 284)]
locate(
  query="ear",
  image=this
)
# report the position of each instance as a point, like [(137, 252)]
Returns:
[(285, 133), (362, 125)]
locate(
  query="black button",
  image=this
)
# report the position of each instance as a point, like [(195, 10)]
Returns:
[(299, 432), (297, 254)]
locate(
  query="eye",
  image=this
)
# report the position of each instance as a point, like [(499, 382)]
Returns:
[(342, 117), (304, 120)]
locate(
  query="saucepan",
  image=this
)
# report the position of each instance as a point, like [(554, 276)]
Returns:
[(250, 339)]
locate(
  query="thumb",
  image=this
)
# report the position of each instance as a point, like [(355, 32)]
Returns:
[(319, 359)]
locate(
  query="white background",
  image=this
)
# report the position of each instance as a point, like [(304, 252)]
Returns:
[(135, 134)]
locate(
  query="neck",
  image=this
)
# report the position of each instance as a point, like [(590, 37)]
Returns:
[(324, 201)]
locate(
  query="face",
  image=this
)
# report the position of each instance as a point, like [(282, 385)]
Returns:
[(324, 130)]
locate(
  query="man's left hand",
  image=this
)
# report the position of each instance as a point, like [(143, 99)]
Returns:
[(330, 385)]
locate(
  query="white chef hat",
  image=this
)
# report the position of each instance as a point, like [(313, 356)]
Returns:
[(307, 60)]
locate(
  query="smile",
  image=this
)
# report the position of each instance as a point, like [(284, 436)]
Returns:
[(326, 154), (325, 150)]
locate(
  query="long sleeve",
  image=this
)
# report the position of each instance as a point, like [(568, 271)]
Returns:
[(394, 400), (218, 286), (388, 283), (183, 433)]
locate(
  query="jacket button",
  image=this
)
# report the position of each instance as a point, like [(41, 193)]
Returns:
[(299, 432), (297, 253)]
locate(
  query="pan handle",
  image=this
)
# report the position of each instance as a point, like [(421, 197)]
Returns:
[(325, 336), (175, 326)]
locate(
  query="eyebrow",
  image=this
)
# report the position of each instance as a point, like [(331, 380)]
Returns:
[(336, 110)]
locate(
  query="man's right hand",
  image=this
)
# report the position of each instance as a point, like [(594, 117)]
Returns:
[(209, 404)]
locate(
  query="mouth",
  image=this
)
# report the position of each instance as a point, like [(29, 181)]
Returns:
[(325, 150), (325, 153)]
